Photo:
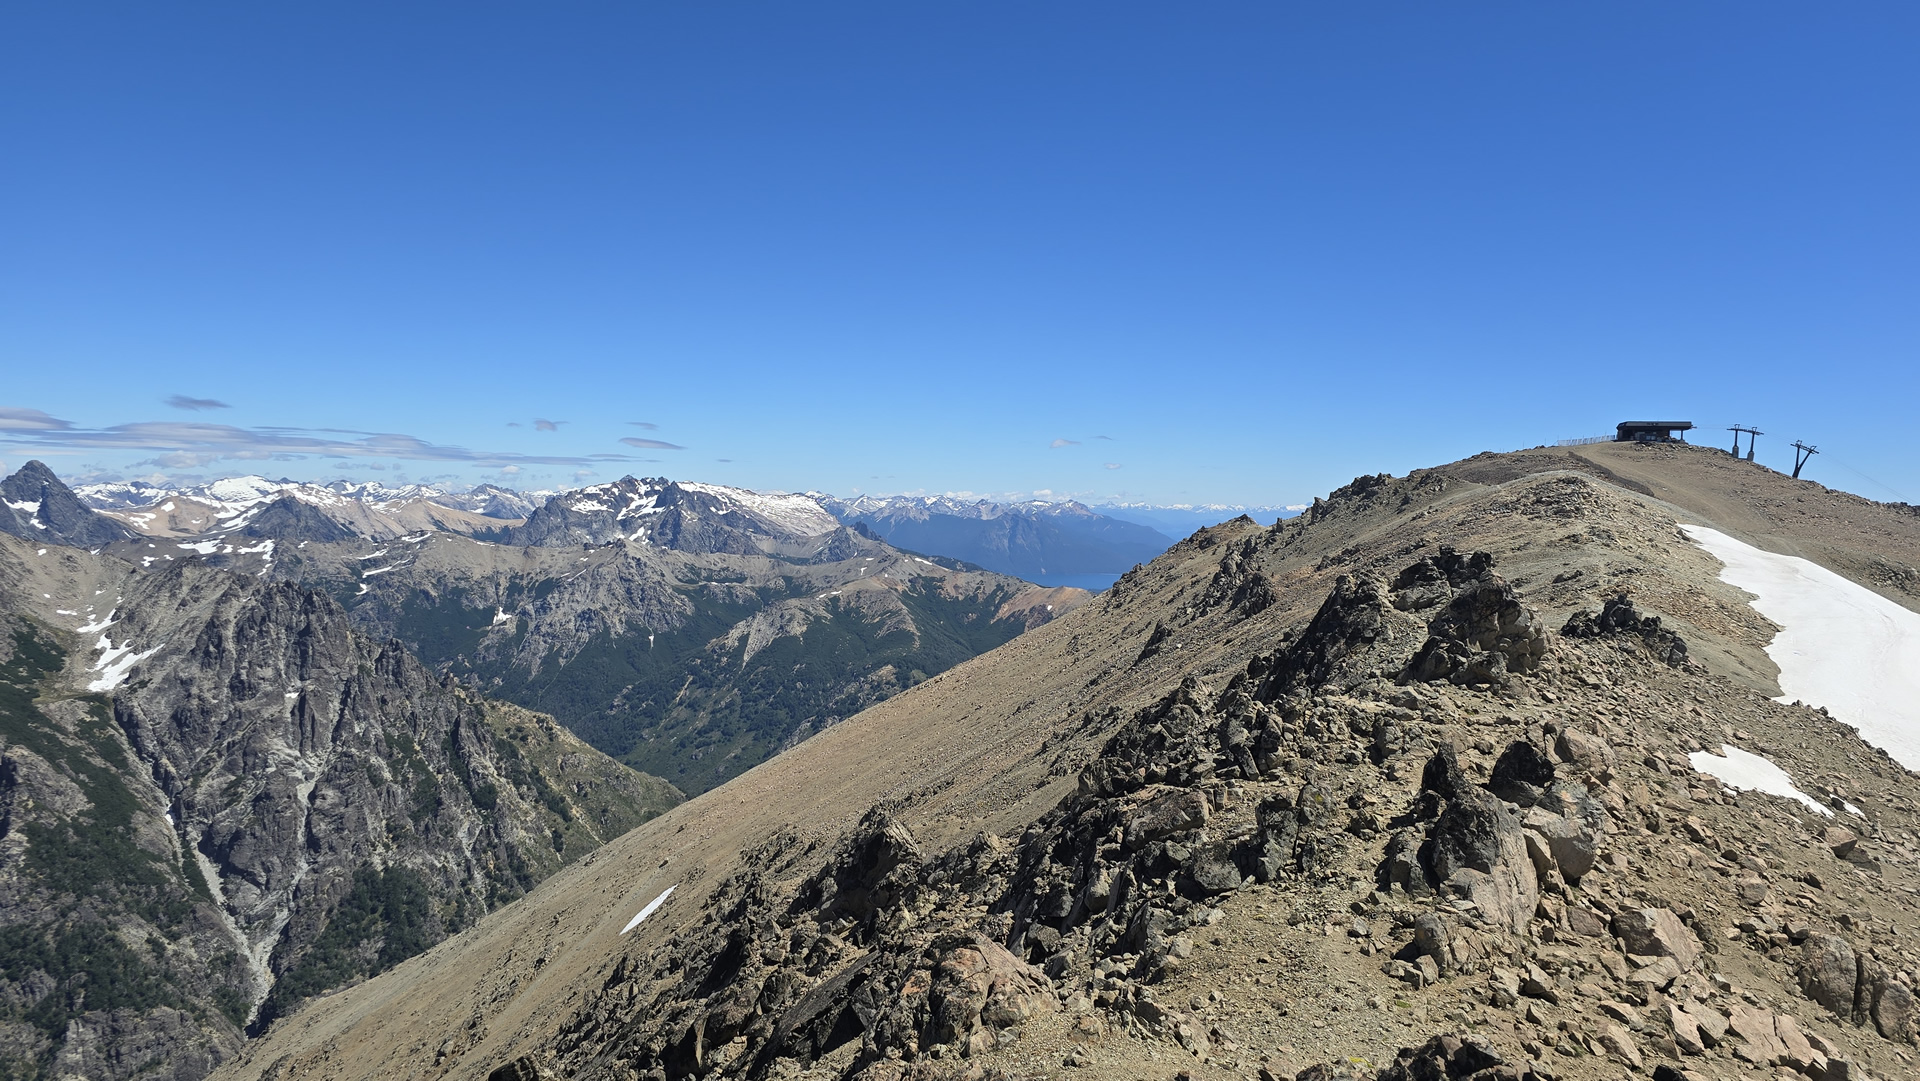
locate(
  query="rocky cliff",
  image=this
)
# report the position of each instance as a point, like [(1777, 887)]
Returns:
[(38, 507), (217, 800)]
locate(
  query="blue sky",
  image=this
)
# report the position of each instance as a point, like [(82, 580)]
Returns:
[(1216, 252)]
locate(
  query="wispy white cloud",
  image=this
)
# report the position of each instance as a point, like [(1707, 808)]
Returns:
[(650, 444), (1113, 465), (199, 442), (1058, 443), (181, 401), (29, 420), (541, 424), (647, 424)]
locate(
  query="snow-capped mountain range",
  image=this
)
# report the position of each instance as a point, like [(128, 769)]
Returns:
[(1053, 542)]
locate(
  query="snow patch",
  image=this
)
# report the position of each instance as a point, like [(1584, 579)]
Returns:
[(205, 548), (795, 513), (1841, 645), (652, 906), (1745, 770), (500, 615), (115, 662)]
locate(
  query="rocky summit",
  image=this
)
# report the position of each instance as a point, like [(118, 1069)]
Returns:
[(1418, 785)]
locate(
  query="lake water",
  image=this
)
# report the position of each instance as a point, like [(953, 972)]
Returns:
[(1097, 583)]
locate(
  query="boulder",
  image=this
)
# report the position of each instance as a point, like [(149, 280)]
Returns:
[(1356, 633), (1483, 635), (1445, 1056), (1686, 1031), (1478, 850), (1585, 922), (1430, 938), (978, 987), (1583, 751), (1618, 617), (1712, 1023), (1840, 841), (1521, 774), (1211, 870), (1656, 932), (1619, 1045), (1759, 1040), (1798, 1053), (1893, 1010), (1442, 773), (1171, 811), (1829, 972), (1572, 844)]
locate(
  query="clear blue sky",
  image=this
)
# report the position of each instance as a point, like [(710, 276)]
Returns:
[(886, 247)]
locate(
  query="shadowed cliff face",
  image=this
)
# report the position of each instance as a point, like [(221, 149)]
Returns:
[(35, 506), (236, 802)]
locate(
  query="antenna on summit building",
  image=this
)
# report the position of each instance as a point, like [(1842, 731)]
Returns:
[(1751, 432), (1801, 455)]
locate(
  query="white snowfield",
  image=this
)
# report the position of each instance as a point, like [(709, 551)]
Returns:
[(1841, 645), (649, 910), (1740, 769), (784, 509)]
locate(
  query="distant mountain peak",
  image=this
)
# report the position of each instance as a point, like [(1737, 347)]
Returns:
[(39, 507)]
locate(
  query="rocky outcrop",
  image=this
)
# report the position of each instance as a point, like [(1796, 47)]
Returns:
[(1482, 633), (1357, 634), (1619, 617), (36, 506)]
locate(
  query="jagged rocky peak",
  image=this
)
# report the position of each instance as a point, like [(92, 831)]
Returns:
[(679, 515), (39, 507)]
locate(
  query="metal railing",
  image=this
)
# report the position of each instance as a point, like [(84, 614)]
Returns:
[(1584, 440)]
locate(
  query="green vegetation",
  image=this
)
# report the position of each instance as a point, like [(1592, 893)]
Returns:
[(675, 708), (386, 917), (442, 626), (91, 969), (91, 854)]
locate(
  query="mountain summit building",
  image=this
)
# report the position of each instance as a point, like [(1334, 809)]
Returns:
[(1652, 431)]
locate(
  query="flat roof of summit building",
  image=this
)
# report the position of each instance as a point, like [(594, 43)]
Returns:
[(1651, 431)]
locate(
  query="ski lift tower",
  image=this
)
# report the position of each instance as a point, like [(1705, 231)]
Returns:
[(1802, 454), (1750, 433)]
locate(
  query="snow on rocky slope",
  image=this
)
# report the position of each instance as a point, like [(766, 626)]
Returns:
[(1841, 645)]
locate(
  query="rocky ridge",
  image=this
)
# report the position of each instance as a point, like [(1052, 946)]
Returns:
[(1322, 800)]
